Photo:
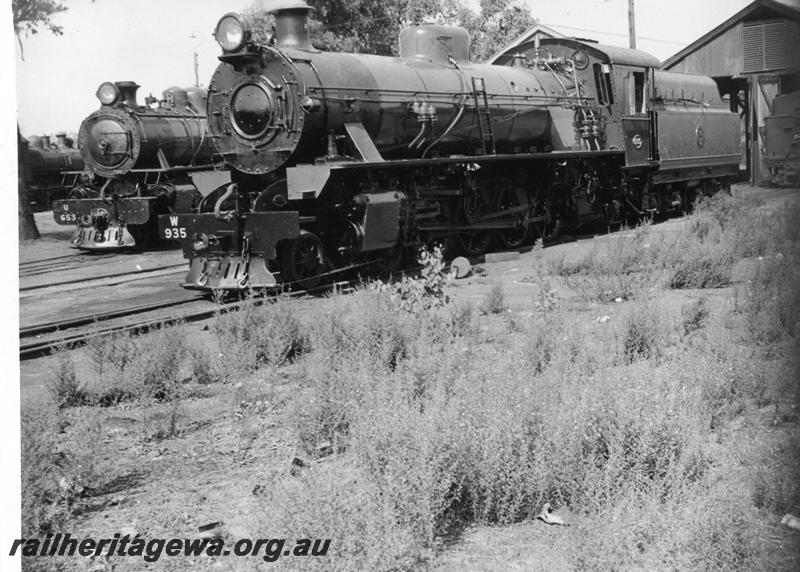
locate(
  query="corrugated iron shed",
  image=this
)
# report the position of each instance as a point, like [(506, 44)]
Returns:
[(757, 38)]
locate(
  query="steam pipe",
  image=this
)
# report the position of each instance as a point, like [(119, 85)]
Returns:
[(218, 205)]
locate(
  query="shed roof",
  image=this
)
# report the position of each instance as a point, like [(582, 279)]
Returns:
[(788, 8)]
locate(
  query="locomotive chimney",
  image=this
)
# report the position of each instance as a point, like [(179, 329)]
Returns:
[(291, 18), (127, 93)]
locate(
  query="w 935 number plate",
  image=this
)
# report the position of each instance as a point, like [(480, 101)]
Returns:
[(174, 232)]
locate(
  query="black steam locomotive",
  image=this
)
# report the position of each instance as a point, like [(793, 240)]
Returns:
[(52, 169), (341, 159), (144, 160)]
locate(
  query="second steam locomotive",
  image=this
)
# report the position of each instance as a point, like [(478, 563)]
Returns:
[(145, 161), (342, 159)]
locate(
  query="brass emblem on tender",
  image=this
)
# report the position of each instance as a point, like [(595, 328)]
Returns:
[(700, 135), (637, 141)]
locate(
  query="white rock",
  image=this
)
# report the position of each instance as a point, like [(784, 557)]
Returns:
[(791, 521)]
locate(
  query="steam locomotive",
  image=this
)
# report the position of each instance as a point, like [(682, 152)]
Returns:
[(53, 168), (340, 159), (145, 161)]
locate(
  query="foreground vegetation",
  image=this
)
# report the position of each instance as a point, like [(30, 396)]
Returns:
[(669, 430)]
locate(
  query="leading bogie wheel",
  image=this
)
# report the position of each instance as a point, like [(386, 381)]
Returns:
[(303, 260)]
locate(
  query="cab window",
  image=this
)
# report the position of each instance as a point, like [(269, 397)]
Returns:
[(602, 77), (636, 88)]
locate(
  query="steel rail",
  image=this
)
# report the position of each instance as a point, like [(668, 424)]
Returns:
[(47, 327), (101, 277), (43, 347)]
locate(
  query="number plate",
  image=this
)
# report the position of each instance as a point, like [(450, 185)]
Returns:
[(174, 232)]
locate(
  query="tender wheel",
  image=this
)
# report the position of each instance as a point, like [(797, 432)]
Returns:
[(475, 244), (303, 260), (512, 238)]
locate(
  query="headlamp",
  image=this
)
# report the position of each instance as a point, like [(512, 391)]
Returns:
[(108, 93), (232, 32)]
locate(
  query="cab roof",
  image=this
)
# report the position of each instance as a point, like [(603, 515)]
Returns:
[(610, 54)]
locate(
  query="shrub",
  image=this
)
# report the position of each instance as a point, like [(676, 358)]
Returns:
[(256, 335), (702, 266), (495, 301), (462, 320), (155, 370), (427, 290), (111, 353), (772, 303), (41, 469), (63, 386), (641, 337), (694, 316), (699, 529), (62, 463), (618, 267)]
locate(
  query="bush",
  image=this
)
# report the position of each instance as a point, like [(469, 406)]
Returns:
[(694, 316), (424, 292), (63, 386), (256, 335), (641, 336), (41, 469), (495, 301), (155, 371), (772, 303), (62, 464), (111, 353), (619, 267)]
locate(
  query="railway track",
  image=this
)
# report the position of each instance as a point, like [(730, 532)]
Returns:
[(60, 263), (41, 339), (142, 272)]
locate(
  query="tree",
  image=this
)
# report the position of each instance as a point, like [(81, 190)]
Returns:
[(499, 22), (373, 26), (29, 16)]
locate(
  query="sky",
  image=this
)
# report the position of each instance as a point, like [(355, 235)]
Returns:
[(150, 42)]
